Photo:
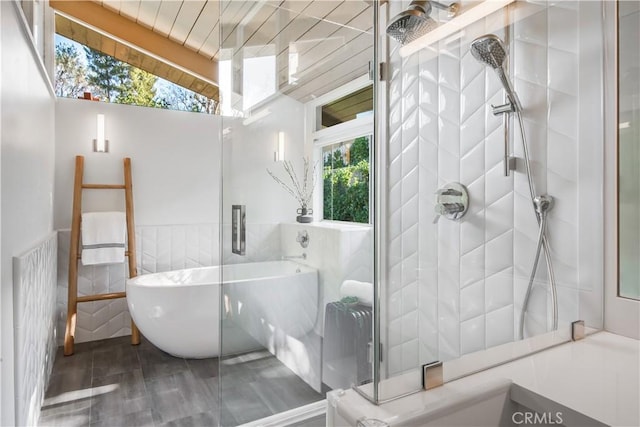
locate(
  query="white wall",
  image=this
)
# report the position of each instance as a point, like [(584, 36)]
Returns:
[(339, 251), (27, 168), (174, 161), (457, 287), (176, 179), (176, 185), (248, 153)]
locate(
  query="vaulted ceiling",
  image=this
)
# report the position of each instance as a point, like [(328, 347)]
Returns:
[(318, 45)]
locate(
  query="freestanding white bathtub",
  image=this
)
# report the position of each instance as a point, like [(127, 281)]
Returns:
[(179, 311)]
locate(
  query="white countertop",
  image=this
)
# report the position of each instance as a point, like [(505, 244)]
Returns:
[(598, 376)]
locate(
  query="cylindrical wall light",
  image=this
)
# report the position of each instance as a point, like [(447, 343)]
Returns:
[(100, 144), (278, 155)]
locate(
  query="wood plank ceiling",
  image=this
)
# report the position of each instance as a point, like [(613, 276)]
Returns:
[(82, 34), (318, 44)]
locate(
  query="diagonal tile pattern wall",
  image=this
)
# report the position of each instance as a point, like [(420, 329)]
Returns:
[(339, 253), (456, 287), (35, 329), (159, 248)]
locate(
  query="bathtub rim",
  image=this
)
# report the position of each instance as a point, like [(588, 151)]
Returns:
[(217, 277)]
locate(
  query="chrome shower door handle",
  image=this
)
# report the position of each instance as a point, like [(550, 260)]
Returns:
[(238, 229)]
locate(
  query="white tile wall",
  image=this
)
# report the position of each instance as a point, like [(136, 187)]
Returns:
[(159, 248), (174, 247), (35, 330), (469, 277), (339, 252), (262, 243)]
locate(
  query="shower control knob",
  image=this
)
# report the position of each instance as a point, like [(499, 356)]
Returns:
[(448, 192), (449, 210), (452, 202), (303, 238)]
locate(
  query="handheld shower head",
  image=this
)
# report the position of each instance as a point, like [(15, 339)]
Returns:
[(491, 51), (416, 21)]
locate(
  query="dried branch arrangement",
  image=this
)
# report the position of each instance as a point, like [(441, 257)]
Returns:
[(301, 191)]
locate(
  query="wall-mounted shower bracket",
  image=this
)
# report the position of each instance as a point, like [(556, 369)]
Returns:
[(503, 109), (451, 9), (509, 160), (452, 202)]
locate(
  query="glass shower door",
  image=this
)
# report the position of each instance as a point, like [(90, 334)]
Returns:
[(297, 282), (461, 291)]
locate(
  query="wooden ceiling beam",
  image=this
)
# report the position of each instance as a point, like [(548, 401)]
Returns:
[(76, 31), (139, 37)]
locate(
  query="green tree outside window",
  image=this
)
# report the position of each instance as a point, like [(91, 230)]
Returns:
[(346, 181)]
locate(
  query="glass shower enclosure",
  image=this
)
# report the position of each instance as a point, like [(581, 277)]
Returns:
[(453, 161), (297, 110), (494, 131)]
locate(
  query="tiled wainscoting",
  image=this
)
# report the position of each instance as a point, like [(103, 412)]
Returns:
[(262, 243), (159, 248), (35, 331), (457, 287), (338, 253)]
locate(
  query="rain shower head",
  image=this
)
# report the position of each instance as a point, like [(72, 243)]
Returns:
[(416, 21), (491, 51)]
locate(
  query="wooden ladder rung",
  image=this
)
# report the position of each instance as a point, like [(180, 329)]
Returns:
[(104, 186), (79, 256), (101, 297), (75, 251)]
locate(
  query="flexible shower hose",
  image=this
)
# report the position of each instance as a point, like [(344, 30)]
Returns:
[(542, 242)]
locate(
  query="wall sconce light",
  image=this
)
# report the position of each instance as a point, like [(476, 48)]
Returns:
[(278, 155), (100, 144)]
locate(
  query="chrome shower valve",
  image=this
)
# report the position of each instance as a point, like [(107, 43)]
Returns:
[(452, 202)]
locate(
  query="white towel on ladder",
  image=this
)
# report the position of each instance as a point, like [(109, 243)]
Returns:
[(103, 237)]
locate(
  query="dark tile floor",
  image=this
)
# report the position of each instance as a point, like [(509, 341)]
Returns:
[(112, 383)]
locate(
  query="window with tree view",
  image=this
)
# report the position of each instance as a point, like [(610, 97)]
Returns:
[(80, 69), (346, 180)]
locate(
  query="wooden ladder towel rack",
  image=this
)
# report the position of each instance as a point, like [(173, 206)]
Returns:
[(75, 255)]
